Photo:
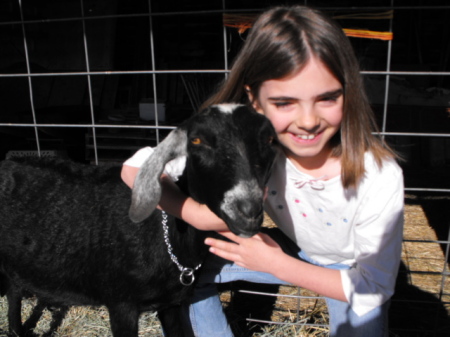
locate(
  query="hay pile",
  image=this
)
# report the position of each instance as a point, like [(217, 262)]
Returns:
[(422, 253), (80, 321)]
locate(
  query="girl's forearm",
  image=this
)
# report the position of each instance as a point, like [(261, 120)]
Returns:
[(176, 203), (128, 175), (262, 253), (324, 281)]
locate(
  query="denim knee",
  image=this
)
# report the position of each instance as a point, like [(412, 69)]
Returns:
[(345, 322)]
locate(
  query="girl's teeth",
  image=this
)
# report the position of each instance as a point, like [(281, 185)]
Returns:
[(306, 137)]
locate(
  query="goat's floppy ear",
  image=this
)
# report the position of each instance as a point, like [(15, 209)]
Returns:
[(147, 186)]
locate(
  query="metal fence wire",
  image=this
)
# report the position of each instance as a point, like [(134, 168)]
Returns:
[(95, 80)]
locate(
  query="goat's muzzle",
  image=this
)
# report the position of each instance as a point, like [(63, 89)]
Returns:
[(242, 208), (251, 216)]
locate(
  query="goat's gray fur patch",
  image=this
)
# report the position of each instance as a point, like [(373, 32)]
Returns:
[(147, 186), (244, 190)]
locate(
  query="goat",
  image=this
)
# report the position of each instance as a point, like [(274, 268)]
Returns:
[(66, 236)]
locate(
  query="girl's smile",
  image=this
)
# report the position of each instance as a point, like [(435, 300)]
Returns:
[(306, 111)]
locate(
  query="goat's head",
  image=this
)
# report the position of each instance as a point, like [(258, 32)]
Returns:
[(229, 151)]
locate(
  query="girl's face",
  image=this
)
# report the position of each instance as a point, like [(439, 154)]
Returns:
[(306, 111)]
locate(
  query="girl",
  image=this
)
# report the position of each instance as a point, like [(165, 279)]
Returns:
[(335, 191)]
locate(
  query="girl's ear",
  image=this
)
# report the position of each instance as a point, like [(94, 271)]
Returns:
[(253, 100)]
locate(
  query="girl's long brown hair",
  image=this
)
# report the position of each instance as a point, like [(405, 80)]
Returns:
[(280, 43)]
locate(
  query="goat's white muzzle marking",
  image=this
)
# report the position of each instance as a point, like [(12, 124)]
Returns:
[(244, 190)]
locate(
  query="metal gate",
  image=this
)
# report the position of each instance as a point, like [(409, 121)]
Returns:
[(95, 80)]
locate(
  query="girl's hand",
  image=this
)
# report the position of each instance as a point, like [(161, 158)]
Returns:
[(261, 253), (258, 253)]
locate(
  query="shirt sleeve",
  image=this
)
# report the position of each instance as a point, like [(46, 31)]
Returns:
[(139, 157), (174, 168), (378, 244)]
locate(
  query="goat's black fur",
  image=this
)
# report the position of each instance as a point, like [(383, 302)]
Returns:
[(66, 237)]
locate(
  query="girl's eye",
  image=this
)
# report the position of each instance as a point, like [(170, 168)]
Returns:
[(282, 104), (330, 99)]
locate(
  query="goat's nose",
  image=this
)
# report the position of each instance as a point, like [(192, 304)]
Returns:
[(249, 209)]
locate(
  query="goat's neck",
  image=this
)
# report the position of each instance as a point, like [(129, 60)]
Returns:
[(186, 237)]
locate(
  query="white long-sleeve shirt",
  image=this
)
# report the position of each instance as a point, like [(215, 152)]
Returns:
[(360, 228)]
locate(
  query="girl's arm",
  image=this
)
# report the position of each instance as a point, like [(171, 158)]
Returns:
[(128, 175), (262, 253), (176, 203)]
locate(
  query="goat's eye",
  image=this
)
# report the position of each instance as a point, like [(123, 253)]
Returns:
[(270, 140), (196, 141)]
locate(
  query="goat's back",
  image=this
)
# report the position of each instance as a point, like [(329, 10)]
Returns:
[(65, 235)]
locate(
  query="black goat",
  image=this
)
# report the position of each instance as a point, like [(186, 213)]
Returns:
[(66, 237)]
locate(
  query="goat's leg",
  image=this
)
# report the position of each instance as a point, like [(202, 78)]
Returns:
[(31, 322), (14, 297), (58, 315), (172, 322), (124, 319)]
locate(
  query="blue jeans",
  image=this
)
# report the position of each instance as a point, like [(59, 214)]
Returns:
[(208, 319)]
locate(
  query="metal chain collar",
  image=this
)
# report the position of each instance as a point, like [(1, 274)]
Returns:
[(187, 276)]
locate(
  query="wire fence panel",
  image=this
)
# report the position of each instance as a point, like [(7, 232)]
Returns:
[(95, 80)]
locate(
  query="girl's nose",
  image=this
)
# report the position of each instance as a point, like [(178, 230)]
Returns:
[(307, 119)]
